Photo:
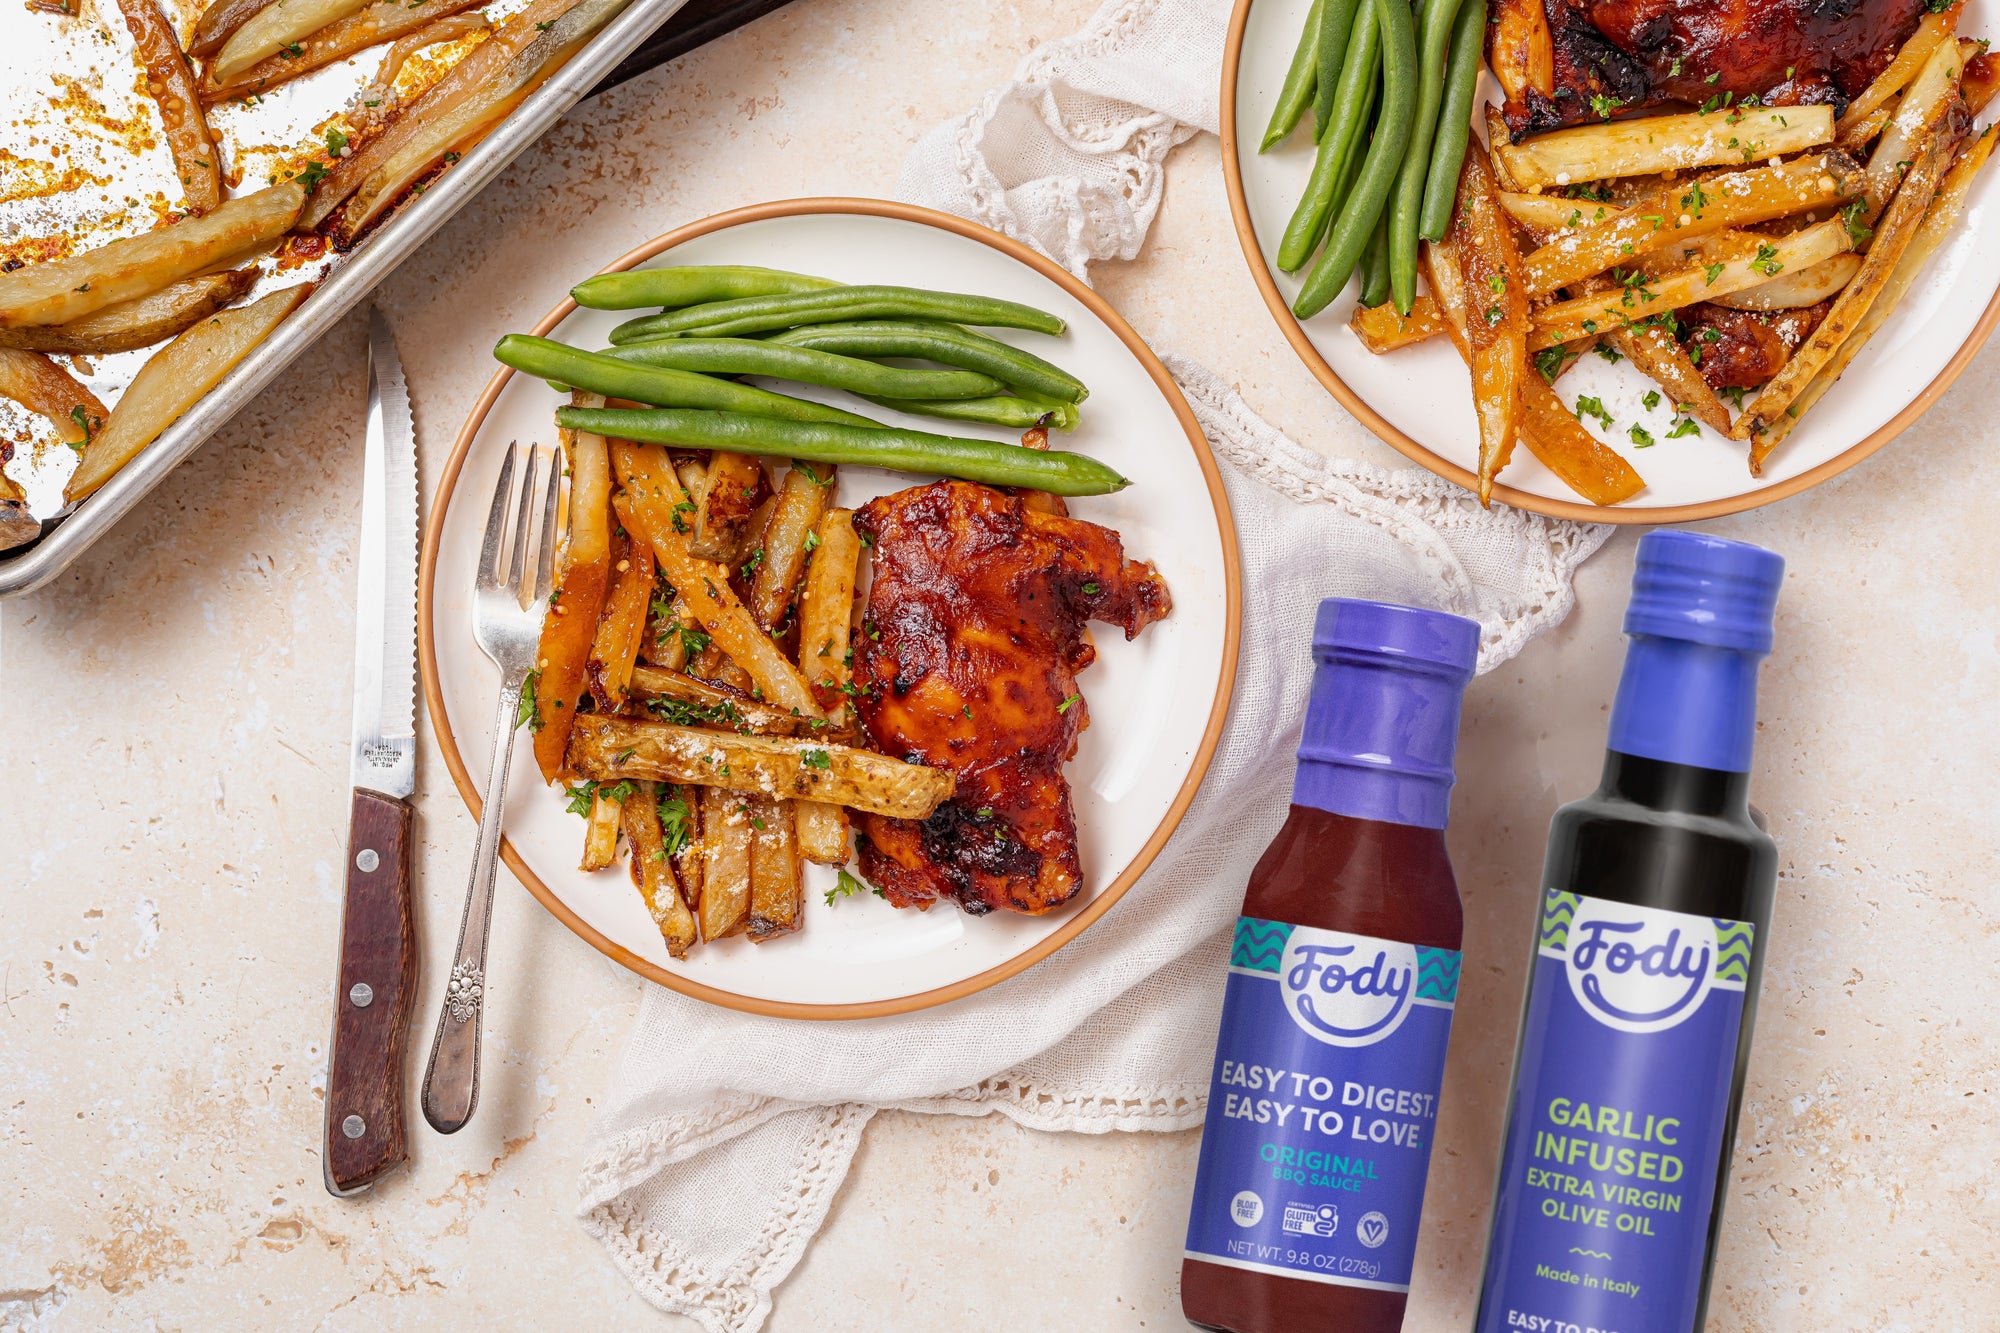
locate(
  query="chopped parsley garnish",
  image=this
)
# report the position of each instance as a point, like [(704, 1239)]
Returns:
[(846, 885), (815, 759), (694, 642), (1685, 426), (1551, 360), (1603, 106), (1858, 231), (1090, 590), (1652, 399), (1587, 406), (1766, 261), (674, 816), (1641, 437), (1610, 353), (579, 798), (1712, 272), (1069, 703), (528, 712)]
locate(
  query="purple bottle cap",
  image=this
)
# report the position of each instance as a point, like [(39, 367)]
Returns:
[(1381, 727), (1688, 585)]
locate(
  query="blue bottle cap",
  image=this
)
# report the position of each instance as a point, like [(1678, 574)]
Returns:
[(1705, 590), (1381, 728)]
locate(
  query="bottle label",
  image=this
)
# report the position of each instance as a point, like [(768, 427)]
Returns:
[(1322, 1104), (1616, 1132)]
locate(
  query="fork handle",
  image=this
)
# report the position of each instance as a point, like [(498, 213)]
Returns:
[(451, 1083)]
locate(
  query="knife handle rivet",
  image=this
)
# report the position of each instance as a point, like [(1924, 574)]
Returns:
[(367, 860), (362, 994), (354, 1127)]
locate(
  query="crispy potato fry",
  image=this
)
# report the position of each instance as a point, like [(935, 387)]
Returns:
[(654, 871), (450, 28), (1564, 321), (1932, 30), (823, 832), (722, 521), (1930, 97), (1858, 135), (777, 894), (674, 696), (219, 22), (173, 89), (583, 579), (1980, 79), (1653, 144), (1943, 215), (62, 290), (679, 810), (1498, 133), (1897, 228), (1656, 354), (272, 29), (1385, 328), (176, 376), (384, 21), (658, 516), (138, 323), (46, 389), (600, 831), (826, 612), (1683, 212), (788, 535), (790, 768), (666, 643), (1794, 291), (1496, 313), (726, 837), (615, 650)]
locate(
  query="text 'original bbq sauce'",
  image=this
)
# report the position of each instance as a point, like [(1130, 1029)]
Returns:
[(1338, 1003)]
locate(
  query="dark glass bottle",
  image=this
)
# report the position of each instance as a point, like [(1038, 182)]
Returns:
[(1656, 904), (1337, 1008)]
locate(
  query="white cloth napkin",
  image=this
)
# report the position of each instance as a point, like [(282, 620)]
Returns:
[(726, 1136)]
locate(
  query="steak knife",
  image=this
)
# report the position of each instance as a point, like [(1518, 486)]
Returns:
[(377, 986)]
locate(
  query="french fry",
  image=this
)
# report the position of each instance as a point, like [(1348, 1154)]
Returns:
[(801, 500), (823, 832), (777, 898), (1795, 291), (218, 22), (1656, 354), (176, 376), (1858, 135), (137, 323), (656, 503), (1980, 79), (1931, 31), (1385, 328), (666, 642), (582, 581), (62, 290), (679, 809), (272, 29), (1943, 215), (615, 650), (728, 503), (1682, 212), (1655, 144), (654, 871), (726, 836), (786, 767), (826, 611), (600, 829), (1496, 313), (1930, 97), (676, 697), (1565, 321), (1892, 237), (46, 389), (173, 90), (385, 21)]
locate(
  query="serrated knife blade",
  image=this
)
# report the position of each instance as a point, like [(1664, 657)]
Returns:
[(377, 984)]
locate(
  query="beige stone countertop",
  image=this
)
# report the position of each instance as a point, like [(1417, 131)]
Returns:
[(174, 802)]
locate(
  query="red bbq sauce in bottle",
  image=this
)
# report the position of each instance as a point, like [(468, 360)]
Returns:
[(1342, 975)]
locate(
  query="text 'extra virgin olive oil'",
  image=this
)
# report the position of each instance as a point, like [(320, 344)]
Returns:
[(1343, 972), (1655, 906)]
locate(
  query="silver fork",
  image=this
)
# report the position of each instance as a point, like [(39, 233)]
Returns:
[(509, 633)]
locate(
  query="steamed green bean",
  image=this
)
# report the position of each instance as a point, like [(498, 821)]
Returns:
[(946, 344), (751, 356), (761, 314), (547, 359), (693, 284)]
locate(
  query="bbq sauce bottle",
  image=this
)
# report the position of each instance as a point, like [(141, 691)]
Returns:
[(1342, 976), (1656, 901)]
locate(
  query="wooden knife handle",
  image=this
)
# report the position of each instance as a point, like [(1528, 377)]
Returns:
[(377, 991)]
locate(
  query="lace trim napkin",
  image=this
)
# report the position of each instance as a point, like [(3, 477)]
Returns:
[(726, 1136)]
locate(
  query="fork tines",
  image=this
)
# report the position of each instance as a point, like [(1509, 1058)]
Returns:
[(538, 469)]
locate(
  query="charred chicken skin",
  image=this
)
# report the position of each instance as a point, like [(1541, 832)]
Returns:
[(1566, 62), (972, 638)]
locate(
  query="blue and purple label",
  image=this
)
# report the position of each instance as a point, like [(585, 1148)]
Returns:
[(1616, 1132), (1322, 1104)]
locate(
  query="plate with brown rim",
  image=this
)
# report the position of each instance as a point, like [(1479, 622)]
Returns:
[(1157, 704)]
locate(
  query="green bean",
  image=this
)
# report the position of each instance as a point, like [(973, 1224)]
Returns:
[(749, 356), (946, 344), (1407, 200), (1354, 155), (688, 285), (1461, 84), (1351, 231), (1057, 471), (1375, 266), (546, 359), (1297, 93), (1309, 220), (1336, 31), (996, 410), (759, 314)]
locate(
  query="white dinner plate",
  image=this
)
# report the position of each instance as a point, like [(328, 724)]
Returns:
[(1156, 705), (1419, 399)]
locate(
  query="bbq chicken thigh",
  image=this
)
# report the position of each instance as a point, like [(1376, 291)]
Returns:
[(967, 661), (1566, 62)]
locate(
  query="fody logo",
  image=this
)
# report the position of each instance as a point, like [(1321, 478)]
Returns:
[(1637, 969), (1347, 990)]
